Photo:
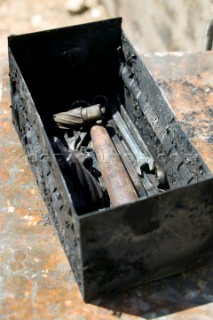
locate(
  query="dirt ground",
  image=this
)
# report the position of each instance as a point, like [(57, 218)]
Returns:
[(153, 25)]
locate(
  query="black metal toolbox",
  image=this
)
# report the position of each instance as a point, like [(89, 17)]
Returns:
[(110, 248)]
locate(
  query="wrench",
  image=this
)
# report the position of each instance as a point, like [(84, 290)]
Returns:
[(76, 140), (120, 147), (145, 179), (142, 160)]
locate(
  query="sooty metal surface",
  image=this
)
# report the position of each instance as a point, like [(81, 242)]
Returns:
[(112, 248)]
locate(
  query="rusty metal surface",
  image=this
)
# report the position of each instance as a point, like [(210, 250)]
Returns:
[(113, 171), (35, 279)]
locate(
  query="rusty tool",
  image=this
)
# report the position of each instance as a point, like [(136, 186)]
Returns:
[(125, 156), (116, 179), (78, 116)]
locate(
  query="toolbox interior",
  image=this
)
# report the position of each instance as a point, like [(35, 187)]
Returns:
[(127, 245), (81, 62), (68, 64)]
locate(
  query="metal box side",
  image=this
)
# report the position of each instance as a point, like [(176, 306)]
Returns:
[(124, 246), (61, 65), (44, 165), (34, 98), (156, 122), (147, 240)]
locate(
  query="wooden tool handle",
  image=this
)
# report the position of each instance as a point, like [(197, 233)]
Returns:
[(116, 179)]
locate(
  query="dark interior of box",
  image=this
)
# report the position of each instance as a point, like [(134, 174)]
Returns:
[(64, 65)]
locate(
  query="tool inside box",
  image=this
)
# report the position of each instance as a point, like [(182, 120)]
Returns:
[(89, 66), (62, 70)]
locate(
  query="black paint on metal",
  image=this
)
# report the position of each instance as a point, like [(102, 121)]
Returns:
[(121, 247)]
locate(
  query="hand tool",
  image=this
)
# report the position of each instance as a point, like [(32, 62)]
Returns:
[(78, 116), (87, 185), (160, 174), (94, 169), (137, 137), (142, 161), (116, 179), (145, 179), (125, 159), (75, 141)]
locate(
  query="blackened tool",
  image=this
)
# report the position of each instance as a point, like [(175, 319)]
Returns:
[(75, 170)]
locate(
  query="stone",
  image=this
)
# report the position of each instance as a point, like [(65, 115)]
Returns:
[(79, 6)]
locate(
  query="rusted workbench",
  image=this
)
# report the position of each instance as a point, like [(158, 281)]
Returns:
[(35, 278)]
